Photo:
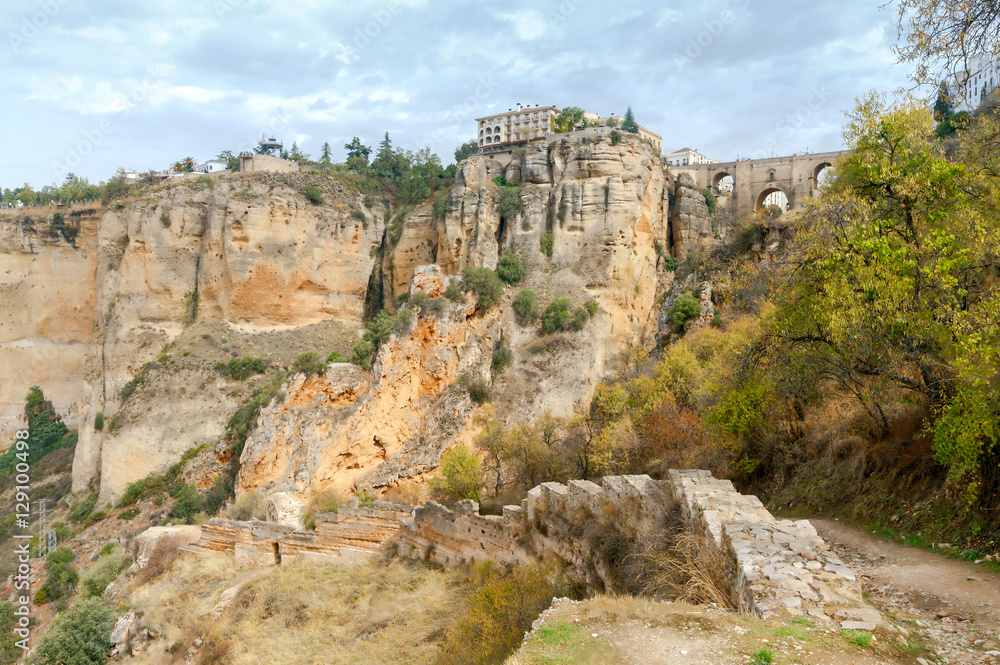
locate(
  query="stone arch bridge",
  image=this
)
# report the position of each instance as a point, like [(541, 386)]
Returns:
[(754, 179)]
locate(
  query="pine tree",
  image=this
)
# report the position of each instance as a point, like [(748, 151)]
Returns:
[(630, 124), (325, 155)]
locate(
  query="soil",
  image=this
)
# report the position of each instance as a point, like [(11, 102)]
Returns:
[(955, 604)]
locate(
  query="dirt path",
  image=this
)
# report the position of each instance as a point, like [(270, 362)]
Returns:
[(954, 603)]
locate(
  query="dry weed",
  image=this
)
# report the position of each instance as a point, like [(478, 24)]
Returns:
[(689, 568)]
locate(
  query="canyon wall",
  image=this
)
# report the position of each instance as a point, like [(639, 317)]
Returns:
[(46, 308), (249, 254)]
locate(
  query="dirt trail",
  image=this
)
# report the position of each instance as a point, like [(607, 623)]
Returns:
[(955, 603)]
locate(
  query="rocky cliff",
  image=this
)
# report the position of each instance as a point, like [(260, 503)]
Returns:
[(46, 307), (603, 212), (183, 275), (237, 262)]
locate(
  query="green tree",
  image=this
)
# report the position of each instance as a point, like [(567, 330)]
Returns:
[(326, 152), (685, 308), (511, 269), (889, 287), (485, 284), (232, 161), (524, 307), (461, 475), (569, 118), (630, 124), (79, 636), (357, 154), (466, 150)]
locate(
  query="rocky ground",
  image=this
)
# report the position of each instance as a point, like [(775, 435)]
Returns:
[(945, 611), (955, 604)]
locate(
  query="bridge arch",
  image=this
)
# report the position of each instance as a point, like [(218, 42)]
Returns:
[(773, 187), (822, 167)]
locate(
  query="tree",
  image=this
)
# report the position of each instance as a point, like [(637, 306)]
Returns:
[(569, 118), (630, 124), (357, 149), (79, 636), (466, 150), (325, 155), (890, 286), (943, 36), (232, 161), (461, 475), (943, 107), (511, 269)]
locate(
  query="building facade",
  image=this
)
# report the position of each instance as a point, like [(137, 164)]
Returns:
[(517, 125), (983, 79), (686, 157)]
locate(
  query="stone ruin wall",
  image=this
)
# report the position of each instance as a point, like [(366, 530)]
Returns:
[(776, 565)]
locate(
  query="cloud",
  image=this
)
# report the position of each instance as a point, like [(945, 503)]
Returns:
[(424, 71)]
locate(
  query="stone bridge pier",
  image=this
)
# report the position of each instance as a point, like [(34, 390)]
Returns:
[(753, 180)]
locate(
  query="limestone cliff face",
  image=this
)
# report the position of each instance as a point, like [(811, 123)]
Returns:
[(250, 253), (689, 218), (353, 428), (606, 209), (46, 308)]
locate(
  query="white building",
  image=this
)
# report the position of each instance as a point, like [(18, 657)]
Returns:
[(212, 166), (686, 157), (517, 125), (526, 123), (983, 79)]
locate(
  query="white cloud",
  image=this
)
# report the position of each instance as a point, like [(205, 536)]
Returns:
[(529, 24), (101, 33), (668, 16)]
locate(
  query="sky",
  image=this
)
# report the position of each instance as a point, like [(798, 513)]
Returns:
[(93, 86)]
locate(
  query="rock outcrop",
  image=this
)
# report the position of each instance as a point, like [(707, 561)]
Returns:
[(689, 219), (248, 252), (46, 308), (351, 427)]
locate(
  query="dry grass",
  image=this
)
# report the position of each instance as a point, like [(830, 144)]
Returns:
[(370, 613), (689, 569)]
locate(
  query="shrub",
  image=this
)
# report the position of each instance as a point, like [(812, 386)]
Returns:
[(188, 502), (484, 284), (246, 506), (80, 510), (104, 572), (99, 421), (142, 489), (685, 308), (579, 320), (454, 292), (62, 577), (80, 636), (710, 199), (313, 194), (461, 475), (591, 307), (129, 514), (222, 489), (241, 368), (308, 363), (546, 243), (511, 270), (670, 263), (497, 612), (362, 354), (323, 501), (335, 358), (9, 651), (480, 391), (510, 202), (524, 307), (502, 356), (556, 316), (440, 205), (616, 137)]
